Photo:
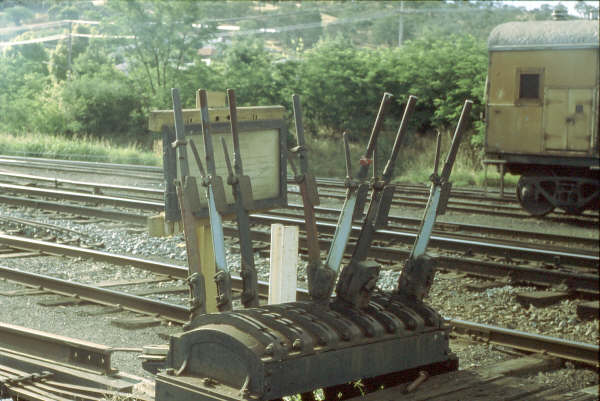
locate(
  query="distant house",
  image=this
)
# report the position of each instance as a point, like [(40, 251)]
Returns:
[(206, 53)]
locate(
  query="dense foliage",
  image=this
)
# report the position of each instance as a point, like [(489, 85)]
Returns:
[(340, 57)]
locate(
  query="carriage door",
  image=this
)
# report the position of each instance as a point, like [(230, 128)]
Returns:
[(568, 119)]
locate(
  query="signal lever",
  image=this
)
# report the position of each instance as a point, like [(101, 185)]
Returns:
[(244, 201), (189, 199), (417, 276), (359, 277), (356, 192), (215, 194)]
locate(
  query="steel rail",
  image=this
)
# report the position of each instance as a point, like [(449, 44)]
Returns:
[(454, 227), (64, 350), (564, 349), (83, 170), (133, 167), (117, 169), (424, 189), (529, 342), (75, 209), (467, 207), (97, 187), (396, 219), (473, 208), (166, 269), (586, 284), (80, 197), (402, 196), (502, 249), (103, 296), (326, 182)]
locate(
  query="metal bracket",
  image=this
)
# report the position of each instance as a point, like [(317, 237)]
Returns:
[(357, 282)]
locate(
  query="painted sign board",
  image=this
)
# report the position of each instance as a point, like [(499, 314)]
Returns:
[(263, 148)]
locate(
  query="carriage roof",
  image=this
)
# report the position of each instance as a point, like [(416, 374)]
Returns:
[(541, 35)]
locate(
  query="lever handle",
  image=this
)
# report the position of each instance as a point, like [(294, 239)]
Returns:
[(347, 156), (389, 167), (436, 162), (462, 122), (180, 132), (197, 158), (227, 159), (237, 158), (385, 101), (300, 134), (209, 153)]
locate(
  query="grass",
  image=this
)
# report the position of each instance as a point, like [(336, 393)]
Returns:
[(414, 163), (74, 148), (326, 156)]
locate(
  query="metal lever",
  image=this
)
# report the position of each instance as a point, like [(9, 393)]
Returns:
[(180, 142), (417, 276), (242, 193), (369, 157), (320, 278), (347, 157), (358, 278), (188, 197), (216, 196), (197, 158), (436, 160), (356, 194)]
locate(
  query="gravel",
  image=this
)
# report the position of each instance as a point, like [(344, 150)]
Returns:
[(495, 306)]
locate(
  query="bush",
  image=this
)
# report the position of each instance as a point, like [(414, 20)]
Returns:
[(103, 108), (336, 94)]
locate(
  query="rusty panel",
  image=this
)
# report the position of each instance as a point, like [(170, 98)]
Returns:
[(515, 129), (561, 69), (579, 127), (158, 118), (555, 115), (567, 68)]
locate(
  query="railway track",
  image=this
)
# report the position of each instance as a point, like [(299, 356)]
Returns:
[(546, 265), (578, 282), (387, 250), (151, 201), (564, 349), (467, 243), (463, 201)]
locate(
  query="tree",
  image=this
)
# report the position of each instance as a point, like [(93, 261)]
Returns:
[(103, 107), (246, 65), (585, 10), (60, 59), (166, 35), (18, 14), (335, 90)]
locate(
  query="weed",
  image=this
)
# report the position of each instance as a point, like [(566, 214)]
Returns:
[(76, 148), (414, 163)]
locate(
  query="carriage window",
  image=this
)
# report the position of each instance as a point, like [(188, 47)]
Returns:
[(529, 86)]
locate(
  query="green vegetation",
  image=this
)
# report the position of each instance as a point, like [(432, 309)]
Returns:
[(102, 78), (415, 161), (75, 148)]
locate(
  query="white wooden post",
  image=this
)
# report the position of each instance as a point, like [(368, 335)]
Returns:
[(284, 263)]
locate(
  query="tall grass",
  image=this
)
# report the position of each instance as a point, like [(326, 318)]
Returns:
[(414, 163), (74, 148), (326, 156)]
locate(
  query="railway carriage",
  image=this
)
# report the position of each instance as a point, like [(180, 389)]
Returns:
[(542, 112)]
